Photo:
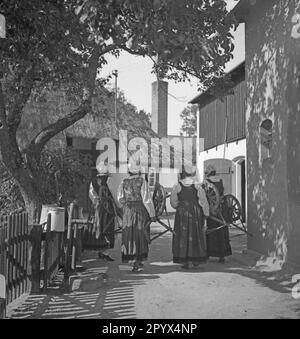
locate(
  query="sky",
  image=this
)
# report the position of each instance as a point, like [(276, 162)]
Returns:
[(135, 80)]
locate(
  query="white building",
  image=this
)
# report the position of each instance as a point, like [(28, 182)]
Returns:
[(221, 130)]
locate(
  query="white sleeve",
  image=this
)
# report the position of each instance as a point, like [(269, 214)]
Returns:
[(174, 196), (203, 200), (93, 194)]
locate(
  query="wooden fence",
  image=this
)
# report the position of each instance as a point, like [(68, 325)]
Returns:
[(52, 253), (73, 240), (14, 242), (30, 255)]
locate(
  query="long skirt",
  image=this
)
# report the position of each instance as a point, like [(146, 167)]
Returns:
[(218, 243), (189, 243), (106, 238), (136, 232)]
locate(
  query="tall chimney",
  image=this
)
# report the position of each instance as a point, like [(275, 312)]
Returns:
[(160, 108)]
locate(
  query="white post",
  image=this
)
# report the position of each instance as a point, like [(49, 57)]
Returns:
[(2, 27), (200, 164), (2, 287)]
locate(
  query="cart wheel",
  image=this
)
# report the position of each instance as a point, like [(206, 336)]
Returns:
[(159, 199), (231, 208), (213, 197)]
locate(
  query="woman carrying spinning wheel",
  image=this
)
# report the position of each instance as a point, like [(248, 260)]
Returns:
[(192, 209), (138, 212), (102, 236), (218, 244)]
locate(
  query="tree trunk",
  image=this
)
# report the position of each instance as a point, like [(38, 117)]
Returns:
[(31, 195)]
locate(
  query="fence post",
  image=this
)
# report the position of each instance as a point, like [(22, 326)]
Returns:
[(74, 247), (69, 243), (2, 269), (46, 255), (2, 247), (35, 259), (2, 297)]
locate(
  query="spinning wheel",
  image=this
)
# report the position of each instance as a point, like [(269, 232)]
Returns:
[(159, 200), (225, 210), (232, 208), (213, 197)]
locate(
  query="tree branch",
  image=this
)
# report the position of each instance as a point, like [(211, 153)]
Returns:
[(23, 93), (108, 49), (9, 151), (39, 141), (113, 47), (60, 125), (179, 68), (130, 51)]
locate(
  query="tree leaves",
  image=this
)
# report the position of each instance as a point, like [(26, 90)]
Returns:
[(65, 43), (59, 35), (189, 117)]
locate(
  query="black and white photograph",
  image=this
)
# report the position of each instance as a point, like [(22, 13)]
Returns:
[(149, 162)]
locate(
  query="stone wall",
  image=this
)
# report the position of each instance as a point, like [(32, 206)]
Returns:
[(272, 73)]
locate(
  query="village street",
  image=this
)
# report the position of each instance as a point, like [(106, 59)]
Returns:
[(165, 291), (108, 108)]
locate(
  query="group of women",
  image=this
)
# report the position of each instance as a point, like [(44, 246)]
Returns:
[(191, 246)]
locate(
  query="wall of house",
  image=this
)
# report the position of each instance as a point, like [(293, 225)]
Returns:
[(273, 92), (214, 130), (212, 120), (233, 150)]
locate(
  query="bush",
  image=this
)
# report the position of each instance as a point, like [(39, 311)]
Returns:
[(63, 171), (60, 171), (10, 196)]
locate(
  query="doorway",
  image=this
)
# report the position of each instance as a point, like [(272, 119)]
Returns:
[(240, 182), (243, 186)]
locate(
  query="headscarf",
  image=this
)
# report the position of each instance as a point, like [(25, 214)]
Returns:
[(103, 169), (133, 168), (210, 171)]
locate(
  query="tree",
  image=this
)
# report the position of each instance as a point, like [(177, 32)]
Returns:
[(62, 172), (65, 42), (146, 117), (189, 117)]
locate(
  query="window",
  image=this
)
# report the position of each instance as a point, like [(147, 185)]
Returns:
[(266, 140), (69, 141)]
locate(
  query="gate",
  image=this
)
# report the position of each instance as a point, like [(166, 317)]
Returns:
[(14, 245)]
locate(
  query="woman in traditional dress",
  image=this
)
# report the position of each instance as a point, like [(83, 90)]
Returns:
[(101, 236), (138, 212), (218, 244), (189, 200)]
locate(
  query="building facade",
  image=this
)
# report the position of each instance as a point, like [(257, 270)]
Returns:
[(273, 126), (222, 131)]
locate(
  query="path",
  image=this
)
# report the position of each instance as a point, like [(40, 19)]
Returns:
[(165, 291)]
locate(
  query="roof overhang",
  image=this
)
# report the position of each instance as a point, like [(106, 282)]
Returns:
[(237, 76), (241, 10)]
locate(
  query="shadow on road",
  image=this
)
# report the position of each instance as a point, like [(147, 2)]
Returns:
[(114, 297)]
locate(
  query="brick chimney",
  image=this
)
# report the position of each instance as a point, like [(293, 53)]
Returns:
[(160, 108)]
